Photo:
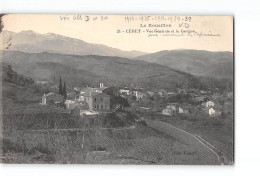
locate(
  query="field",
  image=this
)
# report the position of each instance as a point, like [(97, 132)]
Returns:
[(46, 135), (140, 145), (217, 131)]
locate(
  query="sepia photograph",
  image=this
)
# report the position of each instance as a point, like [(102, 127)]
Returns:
[(116, 89)]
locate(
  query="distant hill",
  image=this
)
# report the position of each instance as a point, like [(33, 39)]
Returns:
[(9, 75), (198, 62), (89, 70), (32, 42)]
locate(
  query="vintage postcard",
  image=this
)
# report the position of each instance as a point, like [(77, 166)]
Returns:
[(117, 89)]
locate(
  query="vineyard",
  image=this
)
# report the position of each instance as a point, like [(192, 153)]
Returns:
[(140, 145)]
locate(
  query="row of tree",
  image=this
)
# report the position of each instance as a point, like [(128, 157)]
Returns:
[(62, 90)]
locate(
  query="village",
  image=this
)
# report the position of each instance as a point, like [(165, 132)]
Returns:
[(89, 102)]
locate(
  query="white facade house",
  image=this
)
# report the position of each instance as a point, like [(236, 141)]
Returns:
[(125, 91), (180, 110), (81, 97), (167, 111), (211, 112), (138, 94), (208, 104)]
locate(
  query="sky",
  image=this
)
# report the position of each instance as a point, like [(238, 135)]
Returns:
[(130, 32)]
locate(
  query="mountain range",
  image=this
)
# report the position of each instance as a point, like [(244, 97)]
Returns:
[(32, 42), (197, 62), (82, 70)]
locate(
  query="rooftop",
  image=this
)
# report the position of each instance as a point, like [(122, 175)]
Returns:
[(95, 94)]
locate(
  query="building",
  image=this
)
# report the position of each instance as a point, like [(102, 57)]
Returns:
[(184, 110), (71, 104), (124, 91), (208, 104), (98, 101), (138, 94), (52, 98), (168, 111), (87, 90), (93, 89), (180, 110), (210, 111), (213, 112), (172, 106), (100, 88), (81, 97)]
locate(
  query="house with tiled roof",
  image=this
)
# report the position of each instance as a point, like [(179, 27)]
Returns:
[(208, 104), (98, 101), (184, 110)]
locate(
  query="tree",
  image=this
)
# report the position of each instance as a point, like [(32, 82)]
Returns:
[(60, 88), (134, 98), (64, 91)]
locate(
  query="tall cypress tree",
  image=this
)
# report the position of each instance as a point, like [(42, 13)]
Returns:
[(64, 92), (60, 88)]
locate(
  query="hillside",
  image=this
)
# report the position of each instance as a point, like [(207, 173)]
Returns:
[(90, 69), (8, 75), (198, 62), (32, 42)]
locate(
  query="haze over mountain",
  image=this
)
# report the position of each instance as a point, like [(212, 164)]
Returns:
[(198, 62), (79, 70), (32, 42)]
